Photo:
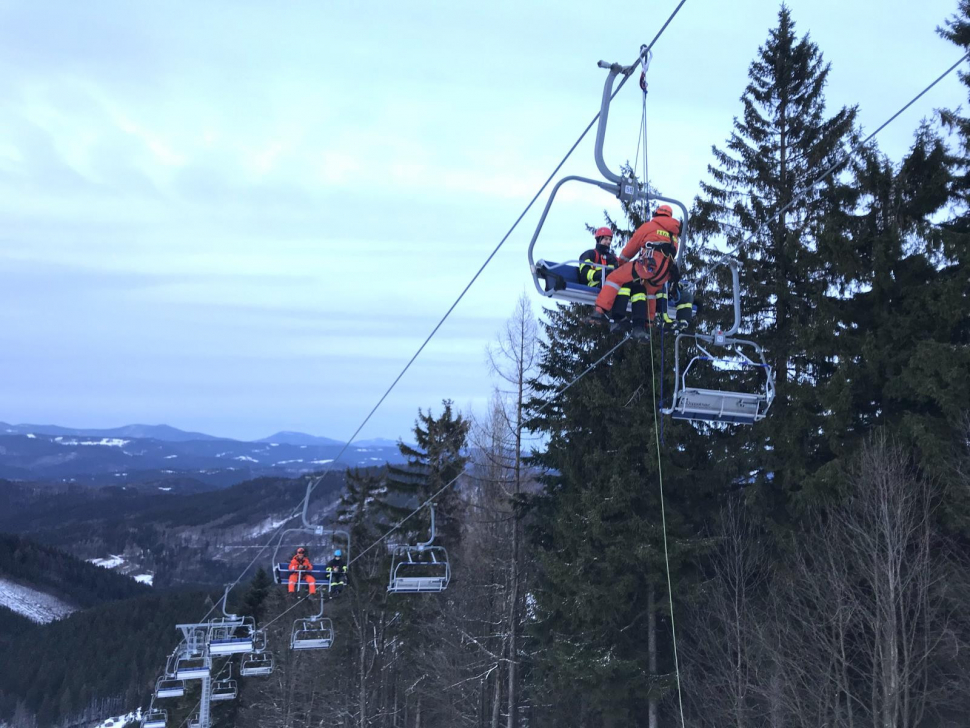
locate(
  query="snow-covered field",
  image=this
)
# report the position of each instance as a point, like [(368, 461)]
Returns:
[(37, 606), (120, 720), (113, 562)]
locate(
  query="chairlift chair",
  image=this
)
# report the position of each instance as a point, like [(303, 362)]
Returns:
[(423, 568), (154, 718), (721, 405), (168, 688), (224, 689), (313, 633), (337, 539), (230, 634), (562, 280), (188, 663), (257, 664)]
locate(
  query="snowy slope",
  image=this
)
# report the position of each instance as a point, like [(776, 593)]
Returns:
[(36, 605)]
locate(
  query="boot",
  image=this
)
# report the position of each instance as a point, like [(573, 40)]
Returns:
[(620, 325), (598, 317)]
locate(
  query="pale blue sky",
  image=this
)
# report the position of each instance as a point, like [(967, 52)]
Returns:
[(243, 217)]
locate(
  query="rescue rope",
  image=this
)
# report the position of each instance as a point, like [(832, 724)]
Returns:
[(855, 148), (663, 519)]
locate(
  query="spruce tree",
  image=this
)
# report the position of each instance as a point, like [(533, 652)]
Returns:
[(436, 459), (763, 182), (602, 620)]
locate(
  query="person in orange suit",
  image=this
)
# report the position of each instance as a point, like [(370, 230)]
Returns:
[(299, 564), (649, 258)]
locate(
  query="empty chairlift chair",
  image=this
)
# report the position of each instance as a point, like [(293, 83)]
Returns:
[(722, 404), (224, 689), (229, 634), (259, 662), (423, 568), (154, 719), (313, 633), (169, 688), (191, 660)]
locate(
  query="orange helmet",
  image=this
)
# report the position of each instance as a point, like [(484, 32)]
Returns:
[(664, 211), (603, 232)]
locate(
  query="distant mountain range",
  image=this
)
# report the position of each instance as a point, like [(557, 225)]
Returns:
[(165, 433), (151, 453)]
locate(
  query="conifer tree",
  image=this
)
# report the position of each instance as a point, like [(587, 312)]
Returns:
[(763, 182), (602, 619), (436, 459)]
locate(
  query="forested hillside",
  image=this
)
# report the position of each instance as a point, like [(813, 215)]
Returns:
[(94, 662), (178, 537), (50, 570), (812, 569)]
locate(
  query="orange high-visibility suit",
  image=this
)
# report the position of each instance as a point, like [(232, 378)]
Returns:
[(656, 243), (302, 564)]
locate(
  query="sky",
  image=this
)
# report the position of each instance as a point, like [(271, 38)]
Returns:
[(244, 217)]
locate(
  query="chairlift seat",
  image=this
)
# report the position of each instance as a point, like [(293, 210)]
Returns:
[(711, 405), (223, 690), (312, 634), (715, 405), (154, 719), (257, 664), (191, 668), (169, 688), (415, 571), (281, 574), (561, 280)]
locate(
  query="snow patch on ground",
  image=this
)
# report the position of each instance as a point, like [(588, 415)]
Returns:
[(120, 720), (165, 489), (112, 562), (145, 579), (105, 441), (287, 462), (169, 457), (247, 458), (37, 606), (267, 526), (30, 436), (321, 462)]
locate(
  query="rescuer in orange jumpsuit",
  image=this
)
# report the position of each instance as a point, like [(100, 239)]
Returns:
[(300, 563), (648, 259)]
